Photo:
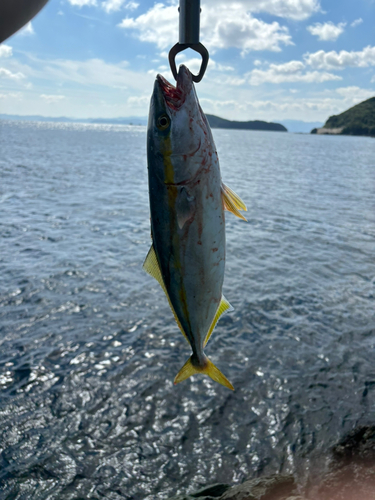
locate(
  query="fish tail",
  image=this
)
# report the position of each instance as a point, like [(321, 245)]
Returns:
[(191, 368)]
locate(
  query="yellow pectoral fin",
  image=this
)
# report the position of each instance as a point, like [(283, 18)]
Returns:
[(151, 266), (232, 202), (223, 308), (209, 369)]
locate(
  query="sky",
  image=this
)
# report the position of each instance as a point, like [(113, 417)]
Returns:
[(269, 59)]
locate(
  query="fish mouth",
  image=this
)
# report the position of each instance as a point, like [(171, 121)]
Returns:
[(175, 96)]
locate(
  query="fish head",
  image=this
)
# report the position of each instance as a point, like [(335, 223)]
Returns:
[(177, 128)]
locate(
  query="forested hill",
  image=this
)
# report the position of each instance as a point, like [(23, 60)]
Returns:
[(358, 120), (217, 122)]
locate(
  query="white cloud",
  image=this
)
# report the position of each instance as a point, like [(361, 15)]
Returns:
[(232, 27), (357, 22), (11, 95), (5, 73), (81, 3), (232, 81), (5, 51), (131, 5), (91, 88), (114, 5), (52, 98), (311, 108), (107, 5), (89, 74), (158, 25), (291, 71), (289, 107), (27, 30), (194, 64), (222, 26), (327, 31), (355, 93), (342, 59), (141, 101), (292, 9), (289, 9)]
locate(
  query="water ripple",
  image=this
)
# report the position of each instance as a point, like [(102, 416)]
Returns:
[(89, 348)]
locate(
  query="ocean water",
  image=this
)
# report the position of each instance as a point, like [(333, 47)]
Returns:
[(89, 347)]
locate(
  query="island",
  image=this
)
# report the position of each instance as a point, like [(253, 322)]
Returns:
[(358, 120), (217, 122)]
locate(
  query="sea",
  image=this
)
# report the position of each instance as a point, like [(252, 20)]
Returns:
[(89, 347)]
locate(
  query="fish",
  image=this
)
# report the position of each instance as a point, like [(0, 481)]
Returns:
[(187, 203)]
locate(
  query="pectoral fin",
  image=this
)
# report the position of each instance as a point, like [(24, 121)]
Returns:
[(232, 202), (185, 207), (223, 308), (209, 369), (151, 266)]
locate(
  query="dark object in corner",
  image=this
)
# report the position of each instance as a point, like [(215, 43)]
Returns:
[(16, 13), (351, 474), (273, 487), (213, 491), (358, 445)]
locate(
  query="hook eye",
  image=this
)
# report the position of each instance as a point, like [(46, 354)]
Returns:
[(198, 47)]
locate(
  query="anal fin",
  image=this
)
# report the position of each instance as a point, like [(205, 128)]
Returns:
[(232, 202), (224, 307), (151, 266)]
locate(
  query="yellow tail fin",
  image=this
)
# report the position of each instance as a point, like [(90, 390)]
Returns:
[(209, 369)]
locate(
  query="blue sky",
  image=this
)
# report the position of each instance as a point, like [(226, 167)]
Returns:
[(269, 59)]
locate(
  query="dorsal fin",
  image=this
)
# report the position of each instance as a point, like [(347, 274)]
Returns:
[(232, 202), (151, 266), (223, 307)]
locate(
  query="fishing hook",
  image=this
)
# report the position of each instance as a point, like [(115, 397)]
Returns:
[(189, 37)]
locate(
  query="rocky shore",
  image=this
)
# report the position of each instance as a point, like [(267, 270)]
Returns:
[(327, 131), (350, 476)]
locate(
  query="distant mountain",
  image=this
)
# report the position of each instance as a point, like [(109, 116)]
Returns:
[(130, 120), (358, 120), (298, 126), (217, 122), (38, 118), (214, 121)]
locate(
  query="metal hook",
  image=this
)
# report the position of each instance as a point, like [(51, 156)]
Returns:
[(189, 37), (198, 47)]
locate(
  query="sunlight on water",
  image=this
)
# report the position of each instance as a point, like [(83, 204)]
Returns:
[(89, 347)]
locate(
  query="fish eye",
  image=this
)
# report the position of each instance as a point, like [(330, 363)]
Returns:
[(163, 122)]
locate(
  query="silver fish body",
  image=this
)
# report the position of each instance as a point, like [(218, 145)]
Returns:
[(187, 201)]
